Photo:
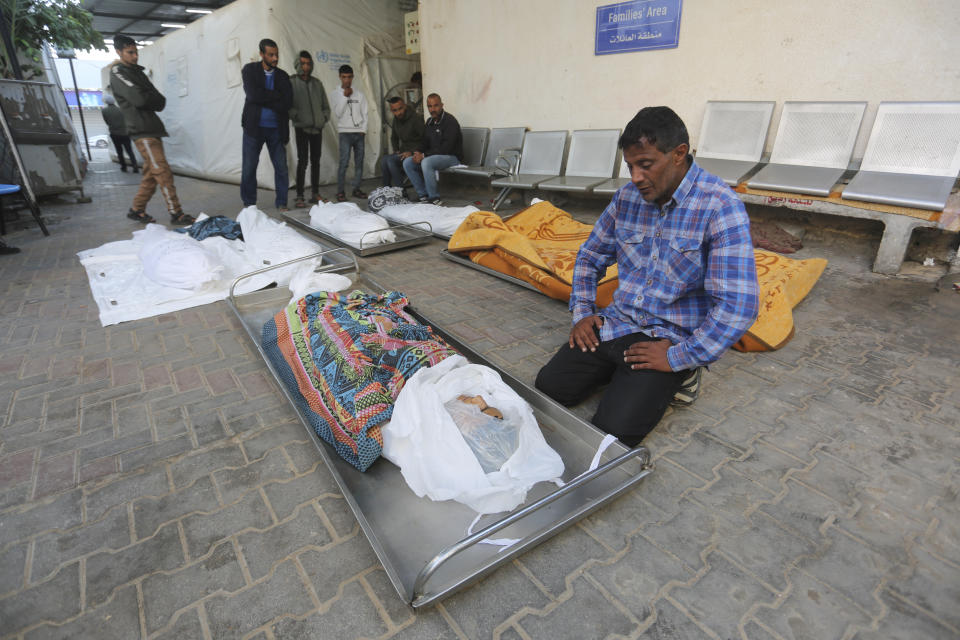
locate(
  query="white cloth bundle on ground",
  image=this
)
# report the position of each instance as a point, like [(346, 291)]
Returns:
[(175, 260), (436, 459), (124, 292), (443, 220), (351, 224)]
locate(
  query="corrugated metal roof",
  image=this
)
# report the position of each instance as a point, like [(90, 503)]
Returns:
[(144, 19)]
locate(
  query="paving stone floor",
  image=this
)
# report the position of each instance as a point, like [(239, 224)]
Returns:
[(154, 483)]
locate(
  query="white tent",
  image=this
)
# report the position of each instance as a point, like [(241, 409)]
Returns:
[(198, 70)]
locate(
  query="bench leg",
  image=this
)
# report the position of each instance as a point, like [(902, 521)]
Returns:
[(501, 197), (893, 245)]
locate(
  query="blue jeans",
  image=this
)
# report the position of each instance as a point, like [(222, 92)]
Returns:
[(350, 141), (251, 158), (423, 175), (392, 168)]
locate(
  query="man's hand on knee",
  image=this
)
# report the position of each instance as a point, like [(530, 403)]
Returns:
[(650, 354), (584, 334)]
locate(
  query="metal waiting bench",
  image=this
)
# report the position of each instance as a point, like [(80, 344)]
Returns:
[(474, 147), (912, 158), (613, 185), (813, 147), (540, 160), (732, 138), (492, 162), (593, 153)]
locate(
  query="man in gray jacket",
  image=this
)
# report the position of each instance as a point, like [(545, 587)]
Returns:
[(309, 113), (139, 101)]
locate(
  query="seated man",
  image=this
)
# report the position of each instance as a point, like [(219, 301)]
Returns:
[(687, 290), (441, 147), (406, 133)]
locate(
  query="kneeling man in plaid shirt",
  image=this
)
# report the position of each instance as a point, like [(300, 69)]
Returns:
[(687, 285)]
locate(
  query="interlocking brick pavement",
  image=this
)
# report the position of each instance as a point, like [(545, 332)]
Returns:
[(154, 482)]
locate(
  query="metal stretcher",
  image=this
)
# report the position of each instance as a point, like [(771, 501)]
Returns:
[(467, 262), (408, 235), (425, 546)]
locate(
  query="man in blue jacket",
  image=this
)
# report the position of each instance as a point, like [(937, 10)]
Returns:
[(269, 97)]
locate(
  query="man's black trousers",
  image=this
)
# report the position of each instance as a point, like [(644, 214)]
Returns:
[(634, 400), (308, 145)]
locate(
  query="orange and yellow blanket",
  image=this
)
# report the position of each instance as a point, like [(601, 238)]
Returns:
[(539, 245)]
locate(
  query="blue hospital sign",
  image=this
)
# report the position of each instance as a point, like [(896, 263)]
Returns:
[(638, 26)]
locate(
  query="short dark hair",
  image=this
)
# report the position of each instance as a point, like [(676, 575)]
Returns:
[(267, 42), (660, 126), (306, 54), (416, 78), (395, 100), (121, 42), (435, 95), (345, 68)]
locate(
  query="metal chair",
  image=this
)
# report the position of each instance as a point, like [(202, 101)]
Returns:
[(593, 153), (540, 160), (613, 185), (813, 147), (474, 146), (501, 140), (732, 137), (912, 158)]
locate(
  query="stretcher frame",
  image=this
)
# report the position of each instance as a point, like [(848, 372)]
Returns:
[(423, 545), (467, 262), (408, 235)]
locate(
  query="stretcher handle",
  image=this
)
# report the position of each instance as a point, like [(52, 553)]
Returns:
[(410, 225), (321, 268), (431, 567)]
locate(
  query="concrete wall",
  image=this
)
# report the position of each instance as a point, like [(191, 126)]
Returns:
[(531, 63)]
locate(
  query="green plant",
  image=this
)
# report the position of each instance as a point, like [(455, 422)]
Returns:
[(63, 24)]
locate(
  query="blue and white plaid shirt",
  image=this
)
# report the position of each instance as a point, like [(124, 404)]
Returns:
[(686, 270)]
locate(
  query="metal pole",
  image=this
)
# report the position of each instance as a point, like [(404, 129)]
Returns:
[(83, 125), (11, 50)]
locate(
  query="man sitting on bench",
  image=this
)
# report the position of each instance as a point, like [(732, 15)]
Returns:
[(687, 284)]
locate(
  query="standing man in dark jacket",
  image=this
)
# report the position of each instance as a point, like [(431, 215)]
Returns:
[(265, 120), (441, 147), (309, 113), (406, 134), (139, 101), (118, 132)]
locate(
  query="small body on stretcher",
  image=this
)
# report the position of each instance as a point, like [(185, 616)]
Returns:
[(431, 549), (370, 241)]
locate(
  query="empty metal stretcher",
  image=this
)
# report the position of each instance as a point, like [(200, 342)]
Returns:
[(425, 546)]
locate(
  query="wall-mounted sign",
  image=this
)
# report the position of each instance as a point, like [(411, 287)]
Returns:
[(637, 26)]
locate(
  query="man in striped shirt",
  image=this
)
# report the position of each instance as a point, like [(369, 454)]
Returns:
[(687, 283)]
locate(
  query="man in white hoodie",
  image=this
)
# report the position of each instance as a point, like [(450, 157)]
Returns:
[(350, 118)]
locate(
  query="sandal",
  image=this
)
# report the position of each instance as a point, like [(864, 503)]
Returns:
[(341, 197), (300, 203), (181, 219), (140, 216), (357, 193)]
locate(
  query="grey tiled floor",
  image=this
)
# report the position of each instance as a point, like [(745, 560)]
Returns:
[(154, 482)]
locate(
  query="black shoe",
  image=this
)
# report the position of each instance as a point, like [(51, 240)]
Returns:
[(7, 250), (689, 389), (357, 193), (424, 199), (437, 201), (140, 216), (124, 169), (135, 170)]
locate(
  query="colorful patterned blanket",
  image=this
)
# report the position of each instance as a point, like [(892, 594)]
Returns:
[(344, 359)]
